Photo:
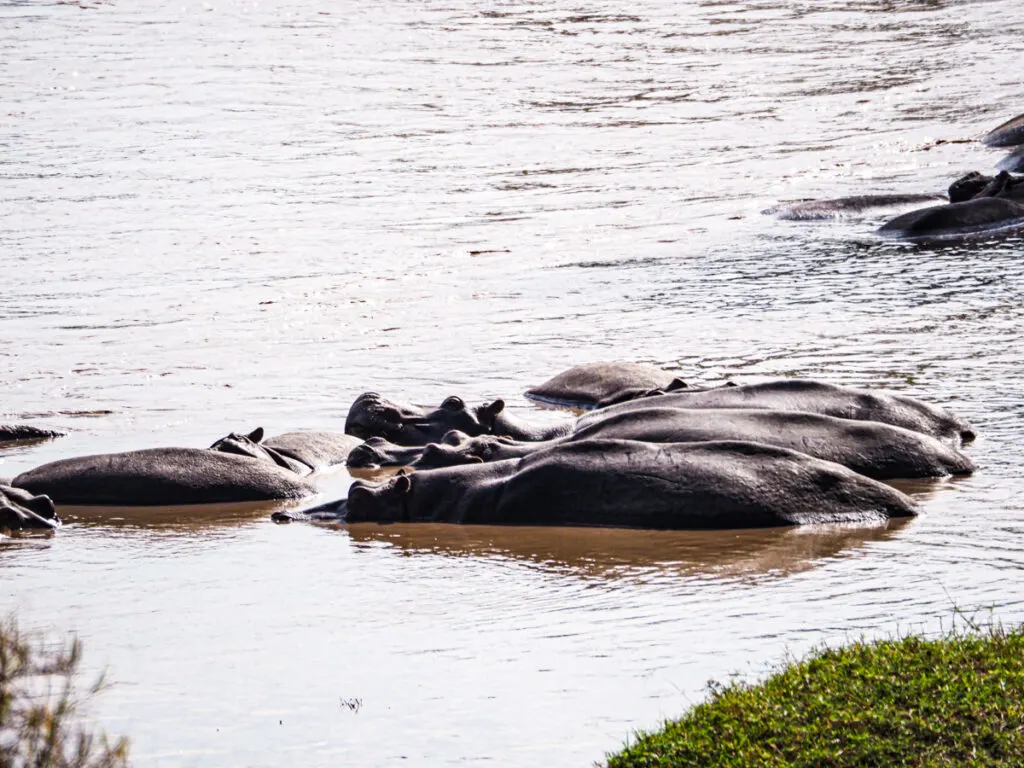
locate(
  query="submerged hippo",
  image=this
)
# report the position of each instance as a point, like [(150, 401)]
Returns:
[(979, 205), (1013, 162), (812, 397), (876, 450), (973, 217), (21, 510), (12, 433), (722, 484), (584, 386), (1009, 134), (372, 415), (163, 476), (843, 207)]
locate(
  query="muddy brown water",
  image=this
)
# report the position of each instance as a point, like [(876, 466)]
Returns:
[(220, 215)]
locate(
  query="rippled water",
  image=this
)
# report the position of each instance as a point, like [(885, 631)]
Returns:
[(221, 215)]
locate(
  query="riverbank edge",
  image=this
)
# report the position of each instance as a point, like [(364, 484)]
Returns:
[(910, 701)]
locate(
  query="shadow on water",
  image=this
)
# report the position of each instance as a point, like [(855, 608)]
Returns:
[(614, 553)]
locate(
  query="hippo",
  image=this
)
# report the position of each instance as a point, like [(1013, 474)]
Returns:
[(1013, 162), (584, 386), (301, 452), (973, 217), (372, 415), (163, 476), (978, 205), (976, 185), (1009, 134), (875, 450), (623, 483), (12, 433), (21, 510), (812, 396), (842, 207)]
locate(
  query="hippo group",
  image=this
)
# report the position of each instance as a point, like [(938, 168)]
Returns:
[(645, 450), (975, 204), (649, 451)]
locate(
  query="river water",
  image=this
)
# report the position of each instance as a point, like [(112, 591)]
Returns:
[(220, 215)]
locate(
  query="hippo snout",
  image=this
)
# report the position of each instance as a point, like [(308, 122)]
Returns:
[(331, 512)]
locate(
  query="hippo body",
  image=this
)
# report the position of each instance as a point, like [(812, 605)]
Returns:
[(21, 510), (943, 222), (622, 483), (873, 449), (163, 476), (11, 433), (843, 207), (303, 453), (1013, 162), (1009, 134), (812, 397), (373, 415), (584, 386)]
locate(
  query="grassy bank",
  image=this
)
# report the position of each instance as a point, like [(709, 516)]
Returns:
[(40, 698), (911, 702)]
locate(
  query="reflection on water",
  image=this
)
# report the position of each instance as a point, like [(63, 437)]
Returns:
[(227, 214), (621, 554), (189, 520)]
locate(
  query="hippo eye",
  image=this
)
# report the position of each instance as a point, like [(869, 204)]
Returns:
[(453, 404)]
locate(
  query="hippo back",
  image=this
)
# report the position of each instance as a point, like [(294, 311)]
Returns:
[(162, 476), (813, 397), (720, 484)]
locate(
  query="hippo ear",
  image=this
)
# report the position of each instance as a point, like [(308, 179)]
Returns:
[(676, 384), (402, 483), (256, 435), (488, 411)]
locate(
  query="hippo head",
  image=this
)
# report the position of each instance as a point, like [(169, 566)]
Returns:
[(21, 510), (459, 448), (250, 445), (386, 502), (376, 452), (372, 415), (967, 186)]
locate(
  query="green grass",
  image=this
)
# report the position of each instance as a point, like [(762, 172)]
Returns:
[(954, 701), (40, 702)]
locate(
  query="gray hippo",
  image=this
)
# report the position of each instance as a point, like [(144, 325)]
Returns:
[(21, 510), (163, 476), (812, 396), (235, 468), (843, 207), (876, 450), (1009, 134), (980, 205), (584, 386), (1013, 162), (622, 483), (13, 433), (373, 415)]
